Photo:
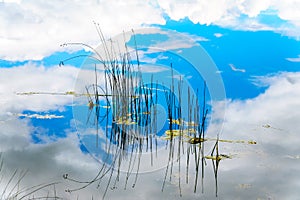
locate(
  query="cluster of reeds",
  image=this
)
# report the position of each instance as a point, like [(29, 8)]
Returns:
[(129, 120), (132, 116), (187, 135), (132, 125)]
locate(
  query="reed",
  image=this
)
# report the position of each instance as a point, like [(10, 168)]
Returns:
[(13, 189), (133, 120)]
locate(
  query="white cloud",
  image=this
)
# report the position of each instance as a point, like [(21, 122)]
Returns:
[(227, 13), (294, 59), (33, 29), (252, 8), (271, 120), (180, 77), (196, 38), (175, 43), (218, 35), (277, 106), (45, 163), (236, 69), (289, 10), (173, 40), (152, 68), (9, 138), (32, 78), (203, 12)]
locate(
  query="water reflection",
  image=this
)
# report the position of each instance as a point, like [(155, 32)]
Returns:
[(138, 119), (133, 121)]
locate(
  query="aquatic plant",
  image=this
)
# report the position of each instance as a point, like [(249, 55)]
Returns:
[(122, 114), (13, 189), (133, 118)]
